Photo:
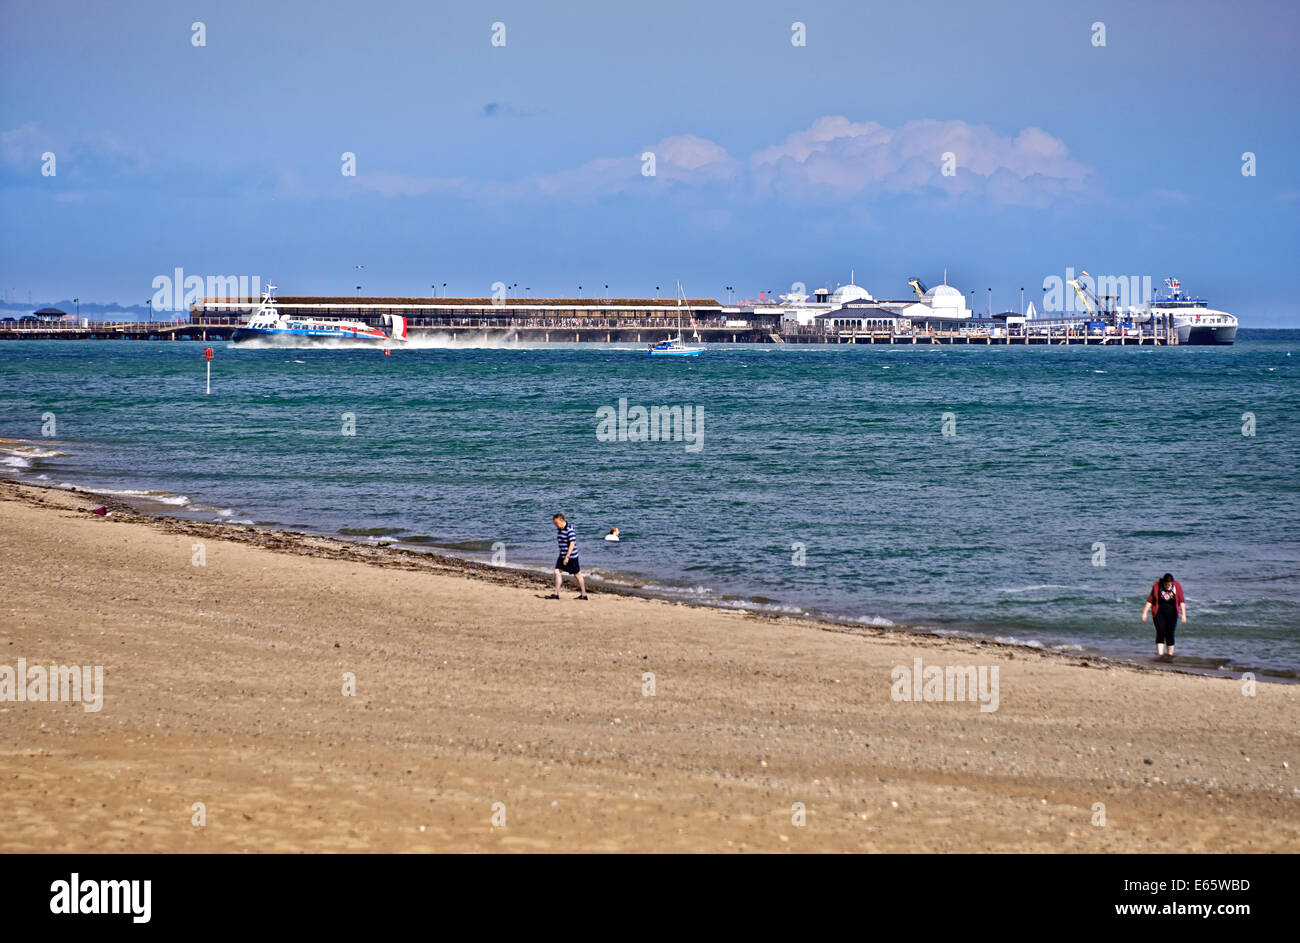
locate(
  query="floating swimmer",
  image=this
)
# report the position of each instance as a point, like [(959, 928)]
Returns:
[(613, 534)]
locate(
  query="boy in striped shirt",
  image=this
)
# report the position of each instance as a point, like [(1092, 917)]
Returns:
[(567, 561)]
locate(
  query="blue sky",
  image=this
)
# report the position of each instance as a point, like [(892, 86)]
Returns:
[(775, 164)]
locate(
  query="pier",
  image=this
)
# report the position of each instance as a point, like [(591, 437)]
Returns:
[(184, 330), (1045, 332), (619, 321)]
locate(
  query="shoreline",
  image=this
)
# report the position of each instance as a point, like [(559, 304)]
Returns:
[(222, 687), (394, 556)]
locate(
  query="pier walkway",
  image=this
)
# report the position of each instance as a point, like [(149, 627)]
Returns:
[(619, 331)]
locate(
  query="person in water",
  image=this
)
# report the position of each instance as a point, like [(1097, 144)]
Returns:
[(567, 561), (1166, 604), (613, 534)]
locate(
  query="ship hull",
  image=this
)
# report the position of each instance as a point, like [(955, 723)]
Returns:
[(292, 338), (1199, 336)]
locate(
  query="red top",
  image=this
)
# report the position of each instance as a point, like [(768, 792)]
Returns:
[(1154, 596)]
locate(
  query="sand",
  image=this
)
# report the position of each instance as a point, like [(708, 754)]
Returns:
[(223, 685)]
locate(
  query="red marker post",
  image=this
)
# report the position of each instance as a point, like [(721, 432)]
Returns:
[(207, 355)]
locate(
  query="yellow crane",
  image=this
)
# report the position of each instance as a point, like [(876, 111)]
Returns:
[(918, 286), (1084, 296)]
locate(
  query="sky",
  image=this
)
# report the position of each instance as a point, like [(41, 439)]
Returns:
[(522, 161)]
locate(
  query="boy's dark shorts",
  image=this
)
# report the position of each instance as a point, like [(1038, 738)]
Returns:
[(570, 567)]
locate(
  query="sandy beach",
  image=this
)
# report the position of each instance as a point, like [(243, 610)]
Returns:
[(224, 685)]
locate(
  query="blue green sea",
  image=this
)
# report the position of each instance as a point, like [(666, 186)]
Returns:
[(823, 484)]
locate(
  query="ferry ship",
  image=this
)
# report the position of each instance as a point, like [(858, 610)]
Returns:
[(268, 324), (1193, 318)]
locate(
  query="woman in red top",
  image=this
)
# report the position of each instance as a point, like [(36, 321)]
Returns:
[(1166, 603)]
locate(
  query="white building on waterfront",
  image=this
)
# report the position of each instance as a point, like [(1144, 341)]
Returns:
[(798, 309), (940, 307)]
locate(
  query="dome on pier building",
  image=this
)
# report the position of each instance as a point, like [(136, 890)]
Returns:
[(946, 302), (848, 293)]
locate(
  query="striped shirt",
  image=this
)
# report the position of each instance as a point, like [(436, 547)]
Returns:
[(565, 538)]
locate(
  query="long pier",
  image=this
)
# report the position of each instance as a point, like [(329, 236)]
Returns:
[(626, 334), (632, 321), (115, 330)]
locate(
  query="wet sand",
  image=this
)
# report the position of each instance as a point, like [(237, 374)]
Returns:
[(223, 685)]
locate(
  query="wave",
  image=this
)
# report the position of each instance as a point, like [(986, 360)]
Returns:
[(158, 497), (445, 341), (1012, 640), (19, 453), (30, 451)]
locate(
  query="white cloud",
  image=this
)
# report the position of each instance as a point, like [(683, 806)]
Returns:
[(836, 157), (21, 147), (684, 159), (694, 158), (832, 159)]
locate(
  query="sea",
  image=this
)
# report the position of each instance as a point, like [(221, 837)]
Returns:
[(1029, 495)]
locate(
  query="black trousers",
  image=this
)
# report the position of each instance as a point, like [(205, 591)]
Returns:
[(1165, 622)]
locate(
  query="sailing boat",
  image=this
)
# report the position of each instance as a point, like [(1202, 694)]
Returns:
[(675, 346)]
